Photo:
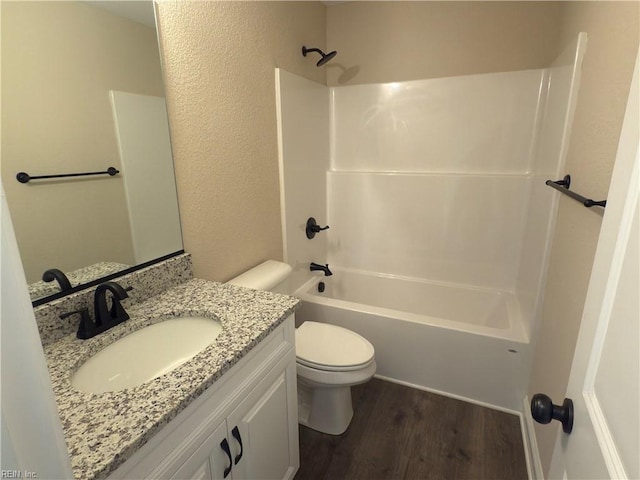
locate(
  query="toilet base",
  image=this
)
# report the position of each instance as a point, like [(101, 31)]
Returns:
[(325, 409)]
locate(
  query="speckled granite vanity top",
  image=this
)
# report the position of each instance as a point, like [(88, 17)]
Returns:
[(103, 430), (77, 277)]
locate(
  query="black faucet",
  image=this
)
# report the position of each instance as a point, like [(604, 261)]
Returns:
[(325, 268), (117, 314), (105, 317), (55, 274)]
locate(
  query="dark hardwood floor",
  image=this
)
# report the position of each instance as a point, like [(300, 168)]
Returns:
[(399, 432)]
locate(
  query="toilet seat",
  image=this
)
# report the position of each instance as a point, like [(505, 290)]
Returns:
[(331, 348), (333, 379), (333, 368)]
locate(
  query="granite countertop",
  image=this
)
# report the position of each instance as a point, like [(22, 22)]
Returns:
[(77, 277), (103, 430)]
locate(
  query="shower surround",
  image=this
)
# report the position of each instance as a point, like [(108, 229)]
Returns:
[(434, 192)]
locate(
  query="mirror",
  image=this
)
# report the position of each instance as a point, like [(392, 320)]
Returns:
[(82, 91)]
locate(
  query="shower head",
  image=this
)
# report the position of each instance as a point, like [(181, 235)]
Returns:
[(325, 56)]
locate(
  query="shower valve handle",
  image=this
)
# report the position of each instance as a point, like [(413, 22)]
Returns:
[(313, 228)]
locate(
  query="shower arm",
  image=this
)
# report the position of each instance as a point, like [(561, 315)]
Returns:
[(307, 50)]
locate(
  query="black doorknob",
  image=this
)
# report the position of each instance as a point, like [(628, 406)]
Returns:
[(543, 411)]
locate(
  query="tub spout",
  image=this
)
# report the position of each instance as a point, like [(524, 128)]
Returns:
[(324, 268)]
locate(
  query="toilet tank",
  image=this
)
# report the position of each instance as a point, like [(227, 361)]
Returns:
[(270, 275)]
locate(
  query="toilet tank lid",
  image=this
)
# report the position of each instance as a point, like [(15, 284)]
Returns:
[(264, 276)]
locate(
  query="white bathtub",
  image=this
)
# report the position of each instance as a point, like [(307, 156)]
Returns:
[(461, 341)]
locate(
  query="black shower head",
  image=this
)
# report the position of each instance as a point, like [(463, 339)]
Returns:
[(325, 56)]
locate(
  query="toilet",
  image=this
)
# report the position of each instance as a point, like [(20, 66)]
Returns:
[(329, 359)]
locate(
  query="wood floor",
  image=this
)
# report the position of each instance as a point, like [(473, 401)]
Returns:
[(403, 433)]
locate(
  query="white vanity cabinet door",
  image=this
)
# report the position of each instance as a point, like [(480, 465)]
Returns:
[(263, 429), (209, 461), (259, 397)]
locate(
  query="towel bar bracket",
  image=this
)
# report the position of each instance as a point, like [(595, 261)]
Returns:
[(565, 182), (563, 187)]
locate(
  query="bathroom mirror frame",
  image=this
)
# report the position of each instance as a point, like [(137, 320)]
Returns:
[(169, 254), (106, 278)]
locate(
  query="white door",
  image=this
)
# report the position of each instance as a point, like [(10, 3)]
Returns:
[(210, 460), (262, 429), (605, 375)]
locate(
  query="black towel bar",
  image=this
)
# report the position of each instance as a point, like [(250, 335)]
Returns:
[(24, 177), (563, 187)]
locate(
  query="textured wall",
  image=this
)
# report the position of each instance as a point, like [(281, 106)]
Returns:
[(219, 60), (612, 29), (396, 41)]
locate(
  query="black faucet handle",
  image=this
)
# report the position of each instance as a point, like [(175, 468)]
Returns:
[(86, 326), (84, 312), (313, 228)]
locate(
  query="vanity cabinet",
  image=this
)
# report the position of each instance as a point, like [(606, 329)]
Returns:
[(255, 436), (208, 461), (259, 430), (245, 426)]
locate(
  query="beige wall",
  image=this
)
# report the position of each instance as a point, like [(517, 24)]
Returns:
[(59, 61), (396, 41), (219, 60), (613, 37)]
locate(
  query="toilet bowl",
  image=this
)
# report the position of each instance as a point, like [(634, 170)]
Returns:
[(329, 359)]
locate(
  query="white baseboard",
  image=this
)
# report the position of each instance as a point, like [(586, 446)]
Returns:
[(450, 395), (531, 452)]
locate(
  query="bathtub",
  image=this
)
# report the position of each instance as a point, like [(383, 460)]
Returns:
[(465, 342)]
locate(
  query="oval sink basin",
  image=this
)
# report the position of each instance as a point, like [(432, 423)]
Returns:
[(146, 354)]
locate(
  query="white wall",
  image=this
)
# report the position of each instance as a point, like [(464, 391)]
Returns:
[(439, 179), (142, 129), (454, 228), (468, 124), (430, 178), (548, 164), (303, 139), (32, 438)]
